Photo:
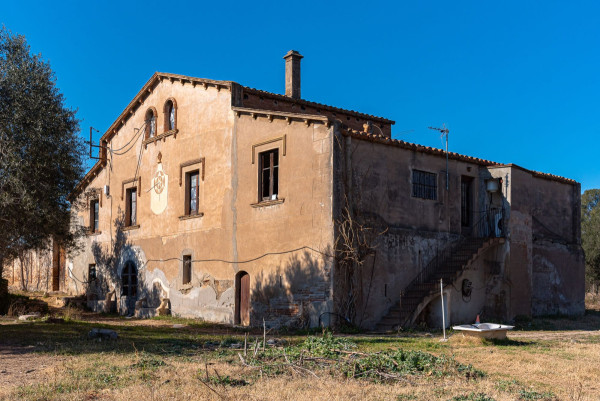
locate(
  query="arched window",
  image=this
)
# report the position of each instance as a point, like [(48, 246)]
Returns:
[(170, 113), (129, 280), (150, 123)]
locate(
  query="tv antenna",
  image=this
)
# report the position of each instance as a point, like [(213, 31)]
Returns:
[(445, 131)]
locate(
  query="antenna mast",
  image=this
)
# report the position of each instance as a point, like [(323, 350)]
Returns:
[(92, 145), (445, 131)]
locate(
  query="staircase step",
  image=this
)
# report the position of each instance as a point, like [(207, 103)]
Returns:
[(449, 268)]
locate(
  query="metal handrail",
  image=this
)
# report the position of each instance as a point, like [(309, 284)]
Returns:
[(489, 225)]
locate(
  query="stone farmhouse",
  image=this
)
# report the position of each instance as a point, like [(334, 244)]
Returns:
[(230, 204)]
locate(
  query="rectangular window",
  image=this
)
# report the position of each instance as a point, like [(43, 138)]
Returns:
[(268, 179), (187, 269), (424, 185), (465, 201), (94, 209), (131, 207), (92, 272), (192, 191)]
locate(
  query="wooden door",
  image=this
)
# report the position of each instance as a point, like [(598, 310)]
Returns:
[(242, 298)]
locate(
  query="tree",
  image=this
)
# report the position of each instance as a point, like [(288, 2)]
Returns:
[(590, 234), (41, 153)]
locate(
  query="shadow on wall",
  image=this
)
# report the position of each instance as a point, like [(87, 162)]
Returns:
[(107, 261), (295, 294)]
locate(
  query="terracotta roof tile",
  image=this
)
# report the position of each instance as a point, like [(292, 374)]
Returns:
[(451, 155)]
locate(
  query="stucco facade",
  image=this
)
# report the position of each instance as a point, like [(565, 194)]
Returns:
[(276, 257)]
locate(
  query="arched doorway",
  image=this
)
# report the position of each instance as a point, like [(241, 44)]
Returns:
[(242, 298), (129, 282)]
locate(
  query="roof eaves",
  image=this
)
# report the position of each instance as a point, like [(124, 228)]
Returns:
[(319, 105), (416, 147)]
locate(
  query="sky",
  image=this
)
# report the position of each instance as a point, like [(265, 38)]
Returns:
[(514, 81)]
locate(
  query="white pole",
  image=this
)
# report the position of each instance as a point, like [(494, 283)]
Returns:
[(443, 309)]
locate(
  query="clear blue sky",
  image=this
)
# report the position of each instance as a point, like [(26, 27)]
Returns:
[(515, 81)]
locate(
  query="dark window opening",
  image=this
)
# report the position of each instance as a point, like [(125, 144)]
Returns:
[(150, 124), (187, 269), (92, 272), (465, 201), (268, 180), (94, 210), (424, 185), (131, 207), (192, 192), (170, 116)]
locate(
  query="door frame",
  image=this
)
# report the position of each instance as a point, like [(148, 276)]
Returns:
[(242, 284)]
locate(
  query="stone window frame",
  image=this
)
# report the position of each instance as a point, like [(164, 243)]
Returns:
[(273, 178), (280, 143), (166, 117), (94, 216), (126, 186), (186, 286), (147, 129), (184, 170), (131, 207)]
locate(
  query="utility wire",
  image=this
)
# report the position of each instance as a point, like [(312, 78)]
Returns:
[(116, 151)]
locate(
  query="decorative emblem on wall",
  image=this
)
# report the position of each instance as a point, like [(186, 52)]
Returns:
[(160, 186), (159, 181)]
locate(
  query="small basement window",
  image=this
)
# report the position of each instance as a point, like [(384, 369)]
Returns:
[(131, 207), (268, 180), (424, 185), (187, 269)]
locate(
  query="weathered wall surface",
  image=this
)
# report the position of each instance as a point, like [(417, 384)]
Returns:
[(546, 264), (271, 242), (293, 286), (412, 229)]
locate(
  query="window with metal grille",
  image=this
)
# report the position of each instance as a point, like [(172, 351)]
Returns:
[(424, 185), (192, 190), (94, 220), (187, 269), (131, 207), (268, 179)]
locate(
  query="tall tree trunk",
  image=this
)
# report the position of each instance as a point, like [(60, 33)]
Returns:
[(22, 263)]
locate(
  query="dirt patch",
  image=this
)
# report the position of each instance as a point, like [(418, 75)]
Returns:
[(22, 366)]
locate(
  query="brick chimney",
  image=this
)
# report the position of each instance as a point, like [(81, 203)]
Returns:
[(292, 74)]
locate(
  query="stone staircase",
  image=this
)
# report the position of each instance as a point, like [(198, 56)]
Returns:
[(447, 265)]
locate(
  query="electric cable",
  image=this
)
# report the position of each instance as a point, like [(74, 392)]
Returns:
[(116, 151)]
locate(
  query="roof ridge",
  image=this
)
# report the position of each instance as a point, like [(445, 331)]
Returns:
[(453, 155)]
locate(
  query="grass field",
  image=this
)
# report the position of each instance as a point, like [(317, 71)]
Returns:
[(554, 358)]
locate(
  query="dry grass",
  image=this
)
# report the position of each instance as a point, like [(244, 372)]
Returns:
[(552, 358)]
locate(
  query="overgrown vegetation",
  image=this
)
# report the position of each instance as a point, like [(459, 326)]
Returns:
[(174, 358), (40, 153), (590, 236)]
